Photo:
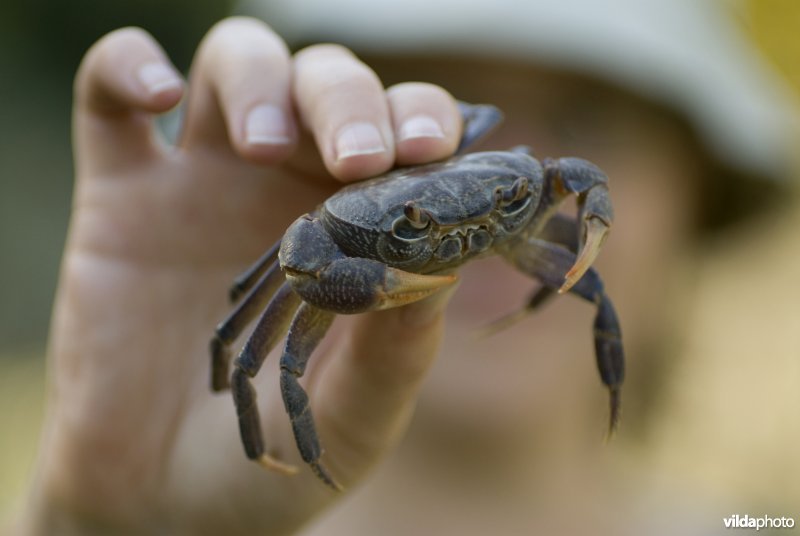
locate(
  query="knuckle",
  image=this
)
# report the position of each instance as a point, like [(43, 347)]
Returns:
[(323, 50), (127, 36), (415, 97), (115, 42), (340, 76), (234, 25), (334, 69), (243, 36), (110, 48), (326, 72), (418, 89)]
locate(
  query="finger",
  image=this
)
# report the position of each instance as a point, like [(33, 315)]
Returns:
[(343, 103), (240, 95), (369, 391), (123, 78), (426, 122)]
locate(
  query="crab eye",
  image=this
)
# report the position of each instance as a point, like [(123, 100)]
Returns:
[(417, 218), (512, 199), (413, 224)]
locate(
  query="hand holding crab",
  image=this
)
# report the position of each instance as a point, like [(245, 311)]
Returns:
[(133, 431), (157, 230), (396, 239)]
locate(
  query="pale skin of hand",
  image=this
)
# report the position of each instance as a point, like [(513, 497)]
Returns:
[(135, 441)]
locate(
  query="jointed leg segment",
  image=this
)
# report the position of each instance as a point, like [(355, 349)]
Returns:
[(261, 283), (479, 120), (548, 262), (308, 328), (247, 279), (325, 277), (595, 214), (269, 330), (331, 281)]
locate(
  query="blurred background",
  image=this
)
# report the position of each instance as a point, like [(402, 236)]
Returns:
[(729, 420)]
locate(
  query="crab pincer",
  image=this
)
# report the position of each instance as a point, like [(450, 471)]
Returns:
[(595, 214), (596, 232), (398, 238), (326, 277)]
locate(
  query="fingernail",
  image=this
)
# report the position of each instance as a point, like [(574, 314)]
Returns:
[(266, 125), (158, 77), (420, 126), (357, 139)]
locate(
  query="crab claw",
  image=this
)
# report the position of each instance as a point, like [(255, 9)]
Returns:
[(596, 231), (271, 464), (401, 287), (356, 285)]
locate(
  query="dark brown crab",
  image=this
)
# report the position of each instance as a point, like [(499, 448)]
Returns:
[(398, 238)]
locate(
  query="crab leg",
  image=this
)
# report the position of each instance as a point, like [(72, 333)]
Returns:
[(562, 230), (308, 328), (547, 261), (268, 331), (541, 296), (578, 176), (229, 329), (246, 280), (479, 120)]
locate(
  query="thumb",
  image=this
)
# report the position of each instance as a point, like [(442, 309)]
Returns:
[(368, 393), (123, 79)]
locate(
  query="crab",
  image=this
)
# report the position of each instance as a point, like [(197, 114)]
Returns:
[(398, 238)]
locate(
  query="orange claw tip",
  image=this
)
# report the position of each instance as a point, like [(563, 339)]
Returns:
[(402, 288), (271, 464), (323, 475), (596, 231), (614, 412)]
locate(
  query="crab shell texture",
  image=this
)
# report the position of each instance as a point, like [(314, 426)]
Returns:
[(347, 256), (397, 238), (460, 203)]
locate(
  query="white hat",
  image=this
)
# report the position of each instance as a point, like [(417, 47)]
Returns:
[(686, 54)]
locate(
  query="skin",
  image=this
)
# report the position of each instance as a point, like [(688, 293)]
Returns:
[(135, 441), (508, 433)]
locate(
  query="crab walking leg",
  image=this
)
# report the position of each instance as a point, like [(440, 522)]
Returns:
[(560, 229), (247, 279), (479, 120), (539, 297), (229, 329), (547, 262), (578, 176), (308, 328), (268, 331)]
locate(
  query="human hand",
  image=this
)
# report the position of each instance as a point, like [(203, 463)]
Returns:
[(135, 441)]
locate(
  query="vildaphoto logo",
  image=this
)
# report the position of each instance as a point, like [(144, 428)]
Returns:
[(764, 522)]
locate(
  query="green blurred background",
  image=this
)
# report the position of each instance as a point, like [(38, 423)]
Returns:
[(41, 44)]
